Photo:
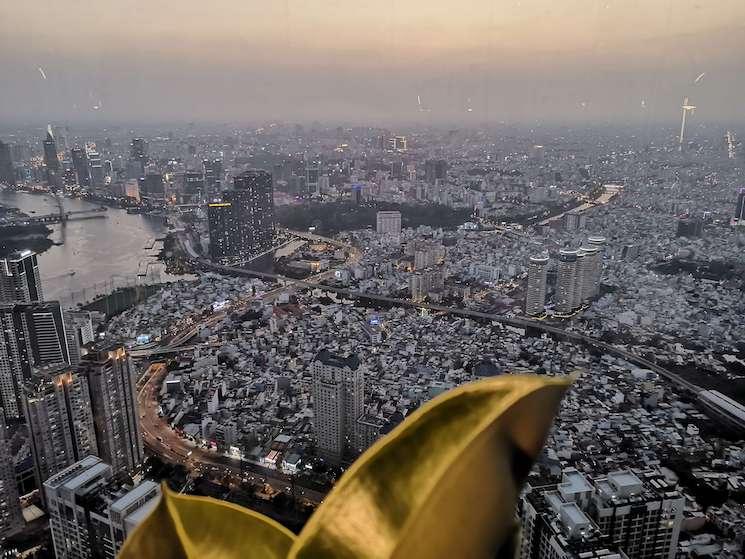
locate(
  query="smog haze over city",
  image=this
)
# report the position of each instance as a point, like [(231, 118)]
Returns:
[(398, 277), (135, 62)]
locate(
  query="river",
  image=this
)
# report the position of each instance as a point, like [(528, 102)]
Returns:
[(120, 249)]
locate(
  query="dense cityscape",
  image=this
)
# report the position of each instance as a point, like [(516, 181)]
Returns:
[(313, 286)]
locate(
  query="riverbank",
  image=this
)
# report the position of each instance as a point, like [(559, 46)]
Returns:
[(21, 237)]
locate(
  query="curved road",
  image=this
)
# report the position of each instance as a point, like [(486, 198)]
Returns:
[(162, 440)]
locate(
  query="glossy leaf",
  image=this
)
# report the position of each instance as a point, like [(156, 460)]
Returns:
[(445, 482), (199, 527)]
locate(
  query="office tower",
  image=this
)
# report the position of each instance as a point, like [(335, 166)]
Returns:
[(96, 168), (137, 158), (642, 515), (80, 164), (192, 187), (212, 169), (7, 173), (312, 173), (389, 223), (91, 511), (51, 159), (60, 136), (739, 217), (11, 516), (57, 409), (243, 223), (555, 525), (111, 380), (434, 170), (565, 280), (338, 400), (20, 281), (152, 188), (535, 294), (32, 335)]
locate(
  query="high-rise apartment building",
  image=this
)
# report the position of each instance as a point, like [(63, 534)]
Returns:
[(81, 166), (242, 224), (11, 517), (739, 217), (7, 173), (388, 222), (51, 160), (642, 514), (32, 335), (20, 281), (535, 294), (111, 380), (91, 511), (565, 280), (57, 408), (623, 514), (578, 276), (338, 401)]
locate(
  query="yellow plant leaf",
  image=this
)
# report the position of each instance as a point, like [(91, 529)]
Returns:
[(445, 482), (199, 527)]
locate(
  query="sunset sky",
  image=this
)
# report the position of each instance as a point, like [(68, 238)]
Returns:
[(366, 62)]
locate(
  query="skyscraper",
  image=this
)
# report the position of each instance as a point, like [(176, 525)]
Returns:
[(137, 158), (223, 230), (51, 159), (338, 401), (312, 174), (58, 413), (32, 335), (11, 517), (7, 173), (535, 294), (91, 512), (111, 379), (20, 281), (96, 167), (565, 280), (212, 169), (739, 217), (243, 223), (80, 164)]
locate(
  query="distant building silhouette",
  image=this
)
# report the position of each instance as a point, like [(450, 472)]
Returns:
[(7, 173), (81, 166), (51, 160)]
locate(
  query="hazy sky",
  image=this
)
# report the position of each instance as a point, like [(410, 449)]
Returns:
[(366, 61)]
